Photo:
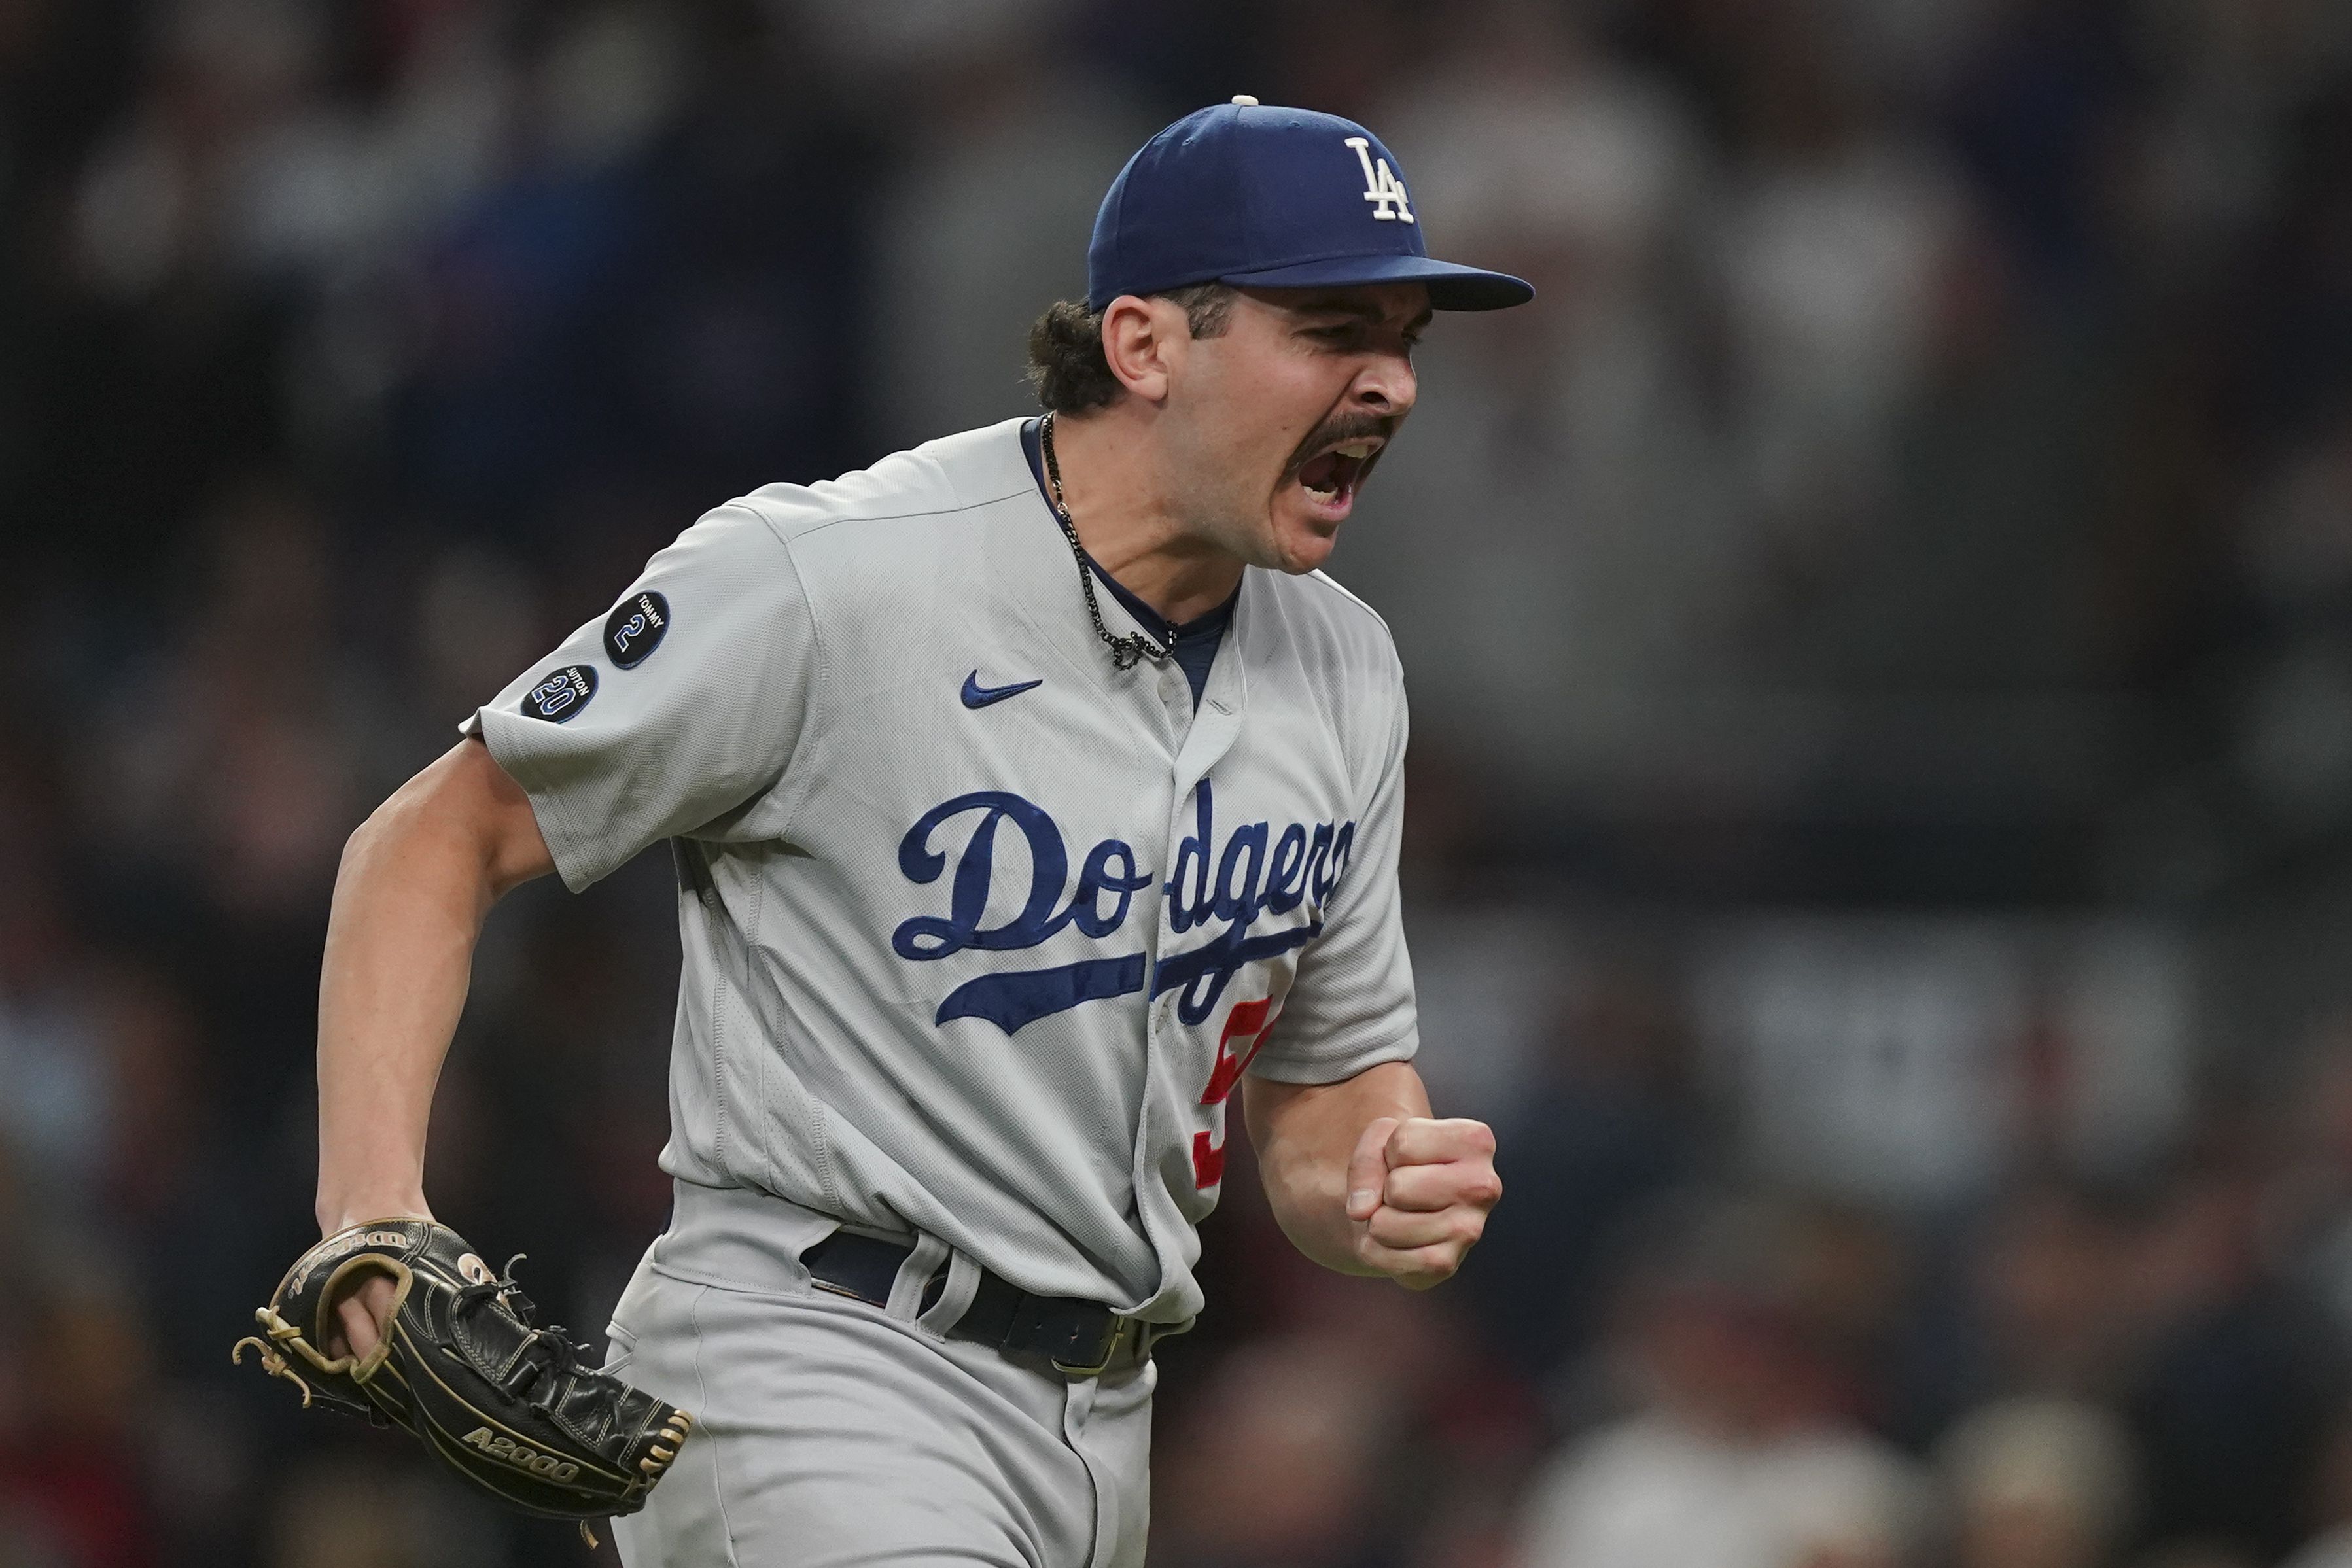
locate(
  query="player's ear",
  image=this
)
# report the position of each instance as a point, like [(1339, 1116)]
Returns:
[(1138, 335)]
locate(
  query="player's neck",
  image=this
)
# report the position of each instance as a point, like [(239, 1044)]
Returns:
[(1118, 493)]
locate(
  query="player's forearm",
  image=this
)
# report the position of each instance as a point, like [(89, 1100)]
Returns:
[(1304, 1136), (417, 881), (409, 903)]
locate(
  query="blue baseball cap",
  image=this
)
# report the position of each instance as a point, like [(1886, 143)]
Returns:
[(1277, 198)]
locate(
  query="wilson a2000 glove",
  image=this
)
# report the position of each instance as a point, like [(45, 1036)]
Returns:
[(510, 1406)]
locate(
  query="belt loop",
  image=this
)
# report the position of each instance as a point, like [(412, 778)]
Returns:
[(907, 1285), (963, 1283)]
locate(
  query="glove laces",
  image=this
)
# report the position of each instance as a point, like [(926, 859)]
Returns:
[(547, 1358)]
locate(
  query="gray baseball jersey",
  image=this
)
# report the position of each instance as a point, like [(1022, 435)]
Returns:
[(980, 932)]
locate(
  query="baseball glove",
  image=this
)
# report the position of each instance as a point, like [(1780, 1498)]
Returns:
[(509, 1406)]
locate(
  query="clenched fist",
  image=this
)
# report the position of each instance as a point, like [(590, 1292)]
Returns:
[(1418, 1193)]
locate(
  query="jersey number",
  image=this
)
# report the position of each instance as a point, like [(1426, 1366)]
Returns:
[(1248, 1021)]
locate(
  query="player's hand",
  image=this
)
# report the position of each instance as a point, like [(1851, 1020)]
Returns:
[(363, 1313), (1418, 1193), (366, 1310)]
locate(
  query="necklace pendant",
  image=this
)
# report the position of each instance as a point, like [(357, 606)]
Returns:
[(1125, 652)]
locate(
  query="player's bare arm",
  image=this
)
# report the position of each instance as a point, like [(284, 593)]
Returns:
[(1364, 1180), (417, 879)]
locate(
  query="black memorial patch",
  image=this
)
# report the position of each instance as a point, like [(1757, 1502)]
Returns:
[(561, 696), (635, 628)]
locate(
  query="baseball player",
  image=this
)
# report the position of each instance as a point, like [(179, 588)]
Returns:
[(1030, 795)]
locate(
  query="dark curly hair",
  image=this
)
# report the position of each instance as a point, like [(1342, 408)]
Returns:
[(1065, 351)]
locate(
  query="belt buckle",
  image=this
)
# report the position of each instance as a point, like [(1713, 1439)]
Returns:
[(1119, 1327)]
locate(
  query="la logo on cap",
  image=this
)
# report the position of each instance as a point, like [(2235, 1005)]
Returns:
[(1252, 195), (1381, 188)]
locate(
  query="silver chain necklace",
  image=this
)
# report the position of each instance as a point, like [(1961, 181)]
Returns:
[(1124, 650)]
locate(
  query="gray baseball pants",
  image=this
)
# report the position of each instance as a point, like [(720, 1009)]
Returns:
[(831, 1434)]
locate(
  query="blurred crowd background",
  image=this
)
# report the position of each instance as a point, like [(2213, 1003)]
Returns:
[(1879, 627)]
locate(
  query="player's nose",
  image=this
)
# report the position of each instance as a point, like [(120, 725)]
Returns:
[(1387, 386)]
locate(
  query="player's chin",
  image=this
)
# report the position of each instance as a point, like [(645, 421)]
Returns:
[(1306, 527)]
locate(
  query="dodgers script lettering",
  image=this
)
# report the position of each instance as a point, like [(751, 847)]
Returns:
[(1233, 884)]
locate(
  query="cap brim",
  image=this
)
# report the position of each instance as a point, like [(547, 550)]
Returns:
[(1452, 287)]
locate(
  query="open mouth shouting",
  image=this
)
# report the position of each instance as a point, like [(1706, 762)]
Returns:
[(1334, 468)]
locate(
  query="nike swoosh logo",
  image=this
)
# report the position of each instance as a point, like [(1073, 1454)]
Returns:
[(977, 695)]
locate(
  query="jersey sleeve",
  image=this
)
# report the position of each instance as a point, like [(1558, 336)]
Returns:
[(1350, 1004), (677, 713)]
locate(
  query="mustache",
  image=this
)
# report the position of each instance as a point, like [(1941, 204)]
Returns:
[(1331, 433)]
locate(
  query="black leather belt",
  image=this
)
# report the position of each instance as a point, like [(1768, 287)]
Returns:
[(1081, 1338)]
